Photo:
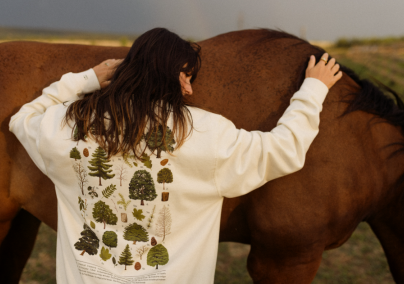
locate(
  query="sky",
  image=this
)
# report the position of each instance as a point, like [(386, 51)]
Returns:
[(201, 19)]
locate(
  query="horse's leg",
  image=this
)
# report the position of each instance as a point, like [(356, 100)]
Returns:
[(276, 265), (17, 246), (9, 208), (18, 230), (19, 188), (389, 229)]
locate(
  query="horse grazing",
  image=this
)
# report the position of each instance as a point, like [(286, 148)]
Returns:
[(353, 171)]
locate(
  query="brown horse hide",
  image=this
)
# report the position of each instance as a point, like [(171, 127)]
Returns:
[(249, 77)]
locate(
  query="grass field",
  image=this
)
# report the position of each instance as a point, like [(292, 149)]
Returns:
[(360, 260)]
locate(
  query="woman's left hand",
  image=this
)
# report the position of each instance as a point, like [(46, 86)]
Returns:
[(105, 70)]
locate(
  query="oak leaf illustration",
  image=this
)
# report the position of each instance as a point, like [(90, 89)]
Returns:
[(105, 255)]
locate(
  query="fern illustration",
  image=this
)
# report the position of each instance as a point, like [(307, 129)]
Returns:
[(123, 202), (126, 157), (107, 192)]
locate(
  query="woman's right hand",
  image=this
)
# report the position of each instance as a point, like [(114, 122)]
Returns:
[(326, 73)]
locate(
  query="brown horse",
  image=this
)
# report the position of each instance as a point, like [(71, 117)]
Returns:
[(353, 170)]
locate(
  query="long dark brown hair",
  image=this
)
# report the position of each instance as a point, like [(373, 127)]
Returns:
[(144, 90)]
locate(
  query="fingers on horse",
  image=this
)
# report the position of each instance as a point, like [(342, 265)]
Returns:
[(338, 75), (331, 63), (325, 57), (312, 62), (335, 68)]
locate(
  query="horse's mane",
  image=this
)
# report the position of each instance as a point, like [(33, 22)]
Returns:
[(369, 98)]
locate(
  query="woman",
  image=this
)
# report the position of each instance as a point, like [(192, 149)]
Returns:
[(140, 175)]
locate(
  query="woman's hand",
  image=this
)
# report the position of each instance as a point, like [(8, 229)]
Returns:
[(105, 70), (326, 73)]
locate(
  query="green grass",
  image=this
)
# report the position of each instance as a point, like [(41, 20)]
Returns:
[(41, 266), (359, 260), (363, 72)]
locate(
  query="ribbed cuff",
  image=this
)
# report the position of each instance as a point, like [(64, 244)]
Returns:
[(88, 81)]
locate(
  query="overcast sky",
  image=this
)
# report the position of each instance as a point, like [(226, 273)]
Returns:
[(200, 19)]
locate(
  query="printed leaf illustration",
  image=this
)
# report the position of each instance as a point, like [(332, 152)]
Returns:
[(141, 187), (153, 241), (114, 261), (146, 161), (88, 243), (135, 233), (165, 176), (163, 162), (155, 140), (157, 255), (92, 224), (75, 154), (107, 192), (138, 266), (81, 203), (138, 214), (92, 192), (110, 239), (126, 157), (126, 257), (151, 218), (103, 214), (105, 255), (76, 134), (123, 201), (81, 175), (100, 168), (164, 223), (135, 164), (83, 207)]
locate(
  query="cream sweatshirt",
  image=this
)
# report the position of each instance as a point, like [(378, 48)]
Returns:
[(154, 221)]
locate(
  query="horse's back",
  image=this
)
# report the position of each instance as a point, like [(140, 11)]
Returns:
[(252, 87)]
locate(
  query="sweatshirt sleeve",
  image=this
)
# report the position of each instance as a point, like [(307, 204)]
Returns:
[(247, 160), (26, 123)]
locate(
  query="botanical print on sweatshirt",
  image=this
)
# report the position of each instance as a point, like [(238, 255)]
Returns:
[(157, 219), (125, 205)]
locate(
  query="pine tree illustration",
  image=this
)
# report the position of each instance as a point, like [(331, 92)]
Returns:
[(89, 242), (100, 168), (75, 154), (126, 257), (155, 140)]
